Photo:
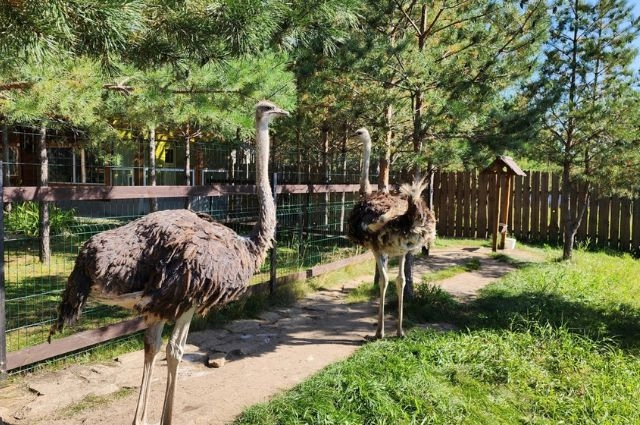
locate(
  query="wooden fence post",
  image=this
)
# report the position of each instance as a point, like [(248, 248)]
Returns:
[(274, 248), (3, 316), (495, 213)]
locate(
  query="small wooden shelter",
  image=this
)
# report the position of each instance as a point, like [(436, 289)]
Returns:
[(504, 168)]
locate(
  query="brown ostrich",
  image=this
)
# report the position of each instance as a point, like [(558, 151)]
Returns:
[(391, 225), (169, 265)]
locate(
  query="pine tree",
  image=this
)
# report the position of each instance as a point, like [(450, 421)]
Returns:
[(584, 98)]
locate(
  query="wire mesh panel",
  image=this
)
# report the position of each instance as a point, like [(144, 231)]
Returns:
[(310, 232)]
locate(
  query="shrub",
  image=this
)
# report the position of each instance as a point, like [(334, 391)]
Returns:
[(23, 218)]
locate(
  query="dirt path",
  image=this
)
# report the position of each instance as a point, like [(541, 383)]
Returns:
[(265, 356)]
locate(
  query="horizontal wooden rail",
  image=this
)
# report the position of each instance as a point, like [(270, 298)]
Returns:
[(85, 339), (108, 193), (75, 342)]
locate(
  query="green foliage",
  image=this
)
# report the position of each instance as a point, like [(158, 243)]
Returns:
[(584, 99), (23, 218), (36, 30)]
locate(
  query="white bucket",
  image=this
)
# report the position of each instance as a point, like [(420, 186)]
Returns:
[(509, 243)]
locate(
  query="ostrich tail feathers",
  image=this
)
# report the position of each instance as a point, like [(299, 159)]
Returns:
[(414, 189), (74, 298)]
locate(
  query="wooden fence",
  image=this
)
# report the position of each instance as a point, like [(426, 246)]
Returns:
[(464, 203), (27, 356)]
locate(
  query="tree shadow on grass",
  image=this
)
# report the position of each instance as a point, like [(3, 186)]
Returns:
[(616, 323), (619, 323)]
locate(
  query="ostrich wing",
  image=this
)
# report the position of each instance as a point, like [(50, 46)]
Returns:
[(373, 212), (174, 258)]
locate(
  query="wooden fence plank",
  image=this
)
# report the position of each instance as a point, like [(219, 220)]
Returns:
[(614, 223), (106, 193), (603, 221), (535, 206), (444, 206), (553, 233), (581, 234), (80, 340), (625, 225), (483, 194), (466, 212), (592, 226), (459, 203), (436, 193), (544, 206), (451, 204), (492, 212), (526, 210), (516, 212), (473, 207)]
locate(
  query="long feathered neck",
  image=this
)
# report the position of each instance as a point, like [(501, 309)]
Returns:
[(263, 232), (365, 187)]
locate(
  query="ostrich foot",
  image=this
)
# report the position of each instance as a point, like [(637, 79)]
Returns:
[(379, 335)]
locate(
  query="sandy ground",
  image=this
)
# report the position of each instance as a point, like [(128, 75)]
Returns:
[(264, 357)]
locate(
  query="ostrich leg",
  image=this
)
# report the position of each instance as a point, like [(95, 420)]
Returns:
[(400, 282), (383, 282), (152, 343), (175, 350)]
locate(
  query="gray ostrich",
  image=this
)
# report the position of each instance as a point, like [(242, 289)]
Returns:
[(391, 225), (169, 265)]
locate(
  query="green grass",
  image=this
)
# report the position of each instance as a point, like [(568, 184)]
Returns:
[(551, 343)]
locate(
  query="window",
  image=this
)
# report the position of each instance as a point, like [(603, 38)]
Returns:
[(168, 156)]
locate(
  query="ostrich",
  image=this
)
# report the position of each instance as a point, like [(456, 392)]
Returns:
[(171, 264), (391, 225)]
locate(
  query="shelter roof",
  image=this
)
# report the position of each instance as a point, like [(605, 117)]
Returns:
[(503, 165)]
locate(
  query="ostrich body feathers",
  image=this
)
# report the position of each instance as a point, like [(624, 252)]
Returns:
[(161, 264), (393, 224)]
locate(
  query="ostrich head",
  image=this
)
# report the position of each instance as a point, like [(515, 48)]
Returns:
[(266, 110), (362, 134)]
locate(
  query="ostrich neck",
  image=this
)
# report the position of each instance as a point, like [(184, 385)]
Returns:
[(365, 187), (263, 232)]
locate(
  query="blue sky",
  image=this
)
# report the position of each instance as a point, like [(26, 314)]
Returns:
[(636, 12)]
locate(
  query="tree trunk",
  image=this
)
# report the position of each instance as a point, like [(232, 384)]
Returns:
[(298, 155), (327, 173), (343, 198), (44, 223), (83, 165), (385, 155), (153, 202), (6, 179), (187, 166), (417, 146), (570, 228)]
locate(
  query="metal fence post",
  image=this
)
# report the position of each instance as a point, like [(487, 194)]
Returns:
[(3, 316), (273, 255)]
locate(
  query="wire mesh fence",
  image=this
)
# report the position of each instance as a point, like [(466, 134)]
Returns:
[(310, 231)]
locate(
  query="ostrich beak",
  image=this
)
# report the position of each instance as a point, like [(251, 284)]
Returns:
[(278, 111)]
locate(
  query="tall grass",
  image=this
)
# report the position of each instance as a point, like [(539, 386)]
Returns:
[(554, 343)]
